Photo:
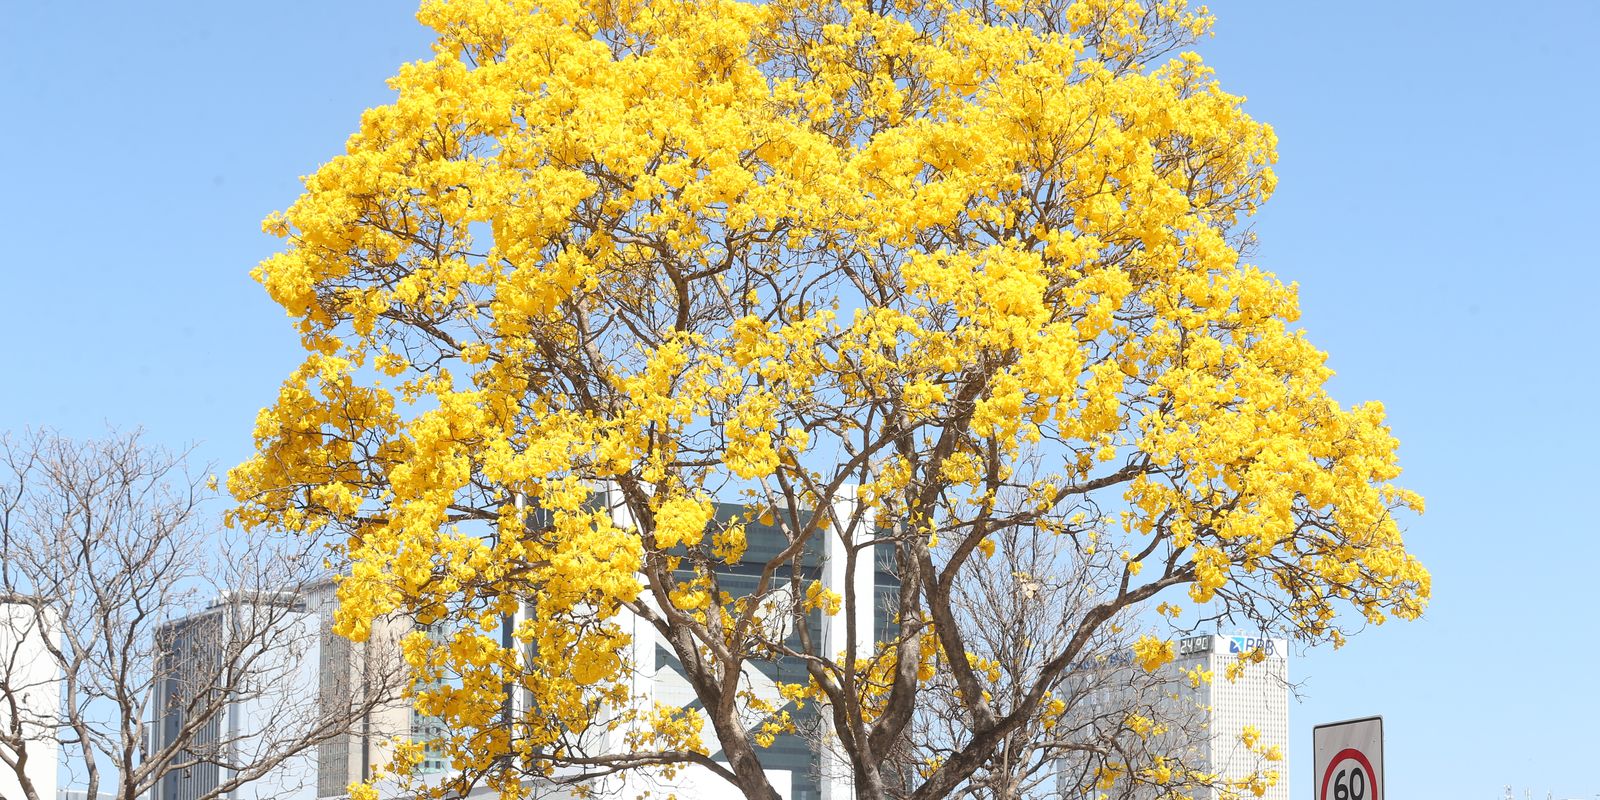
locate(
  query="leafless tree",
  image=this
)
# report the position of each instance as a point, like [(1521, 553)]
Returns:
[(183, 656), (1104, 714)]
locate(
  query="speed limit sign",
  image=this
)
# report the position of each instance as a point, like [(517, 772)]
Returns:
[(1349, 759)]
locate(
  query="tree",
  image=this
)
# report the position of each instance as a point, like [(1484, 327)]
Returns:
[(1103, 716), (144, 629), (893, 274)]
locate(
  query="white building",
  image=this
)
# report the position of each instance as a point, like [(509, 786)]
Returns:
[(31, 679), (309, 672), (1204, 719), (797, 765), (1257, 697)]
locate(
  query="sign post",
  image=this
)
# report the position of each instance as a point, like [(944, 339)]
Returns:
[(1349, 759)]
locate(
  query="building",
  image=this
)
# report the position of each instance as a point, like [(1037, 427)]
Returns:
[(1258, 697), (232, 678), (1199, 720), (800, 765), (303, 670), (347, 670), (30, 681), (332, 668)]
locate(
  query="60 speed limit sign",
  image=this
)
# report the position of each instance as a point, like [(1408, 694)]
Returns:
[(1349, 759)]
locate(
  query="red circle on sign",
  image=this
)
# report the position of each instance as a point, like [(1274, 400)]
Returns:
[(1356, 756)]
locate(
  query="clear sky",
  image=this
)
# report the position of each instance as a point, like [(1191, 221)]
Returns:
[(1436, 203)]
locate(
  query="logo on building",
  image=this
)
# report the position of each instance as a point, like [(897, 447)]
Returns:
[(1244, 644)]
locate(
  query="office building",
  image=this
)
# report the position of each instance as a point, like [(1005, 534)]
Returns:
[(1258, 697), (347, 670), (247, 664), (1203, 720), (800, 765)]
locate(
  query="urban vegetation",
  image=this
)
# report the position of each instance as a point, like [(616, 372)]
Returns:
[(129, 627), (958, 289), (917, 276)]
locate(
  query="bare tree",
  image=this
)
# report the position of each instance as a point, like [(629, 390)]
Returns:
[(1102, 716), (183, 656)]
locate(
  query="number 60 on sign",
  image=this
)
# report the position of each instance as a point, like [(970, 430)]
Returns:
[(1349, 759)]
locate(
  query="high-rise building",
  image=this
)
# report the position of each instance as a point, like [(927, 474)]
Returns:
[(371, 668), (231, 677), (1257, 697), (303, 671), (1201, 712), (800, 765), (30, 682)]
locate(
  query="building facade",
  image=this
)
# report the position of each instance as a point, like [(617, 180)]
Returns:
[(801, 765), (347, 670), (30, 681), (1202, 712), (232, 678), (1257, 697)]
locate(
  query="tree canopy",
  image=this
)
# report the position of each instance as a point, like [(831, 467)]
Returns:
[(975, 267)]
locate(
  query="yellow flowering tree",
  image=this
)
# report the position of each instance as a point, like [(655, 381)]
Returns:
[(973, 266)]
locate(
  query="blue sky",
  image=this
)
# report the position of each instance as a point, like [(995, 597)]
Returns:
[(1436, 204)]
